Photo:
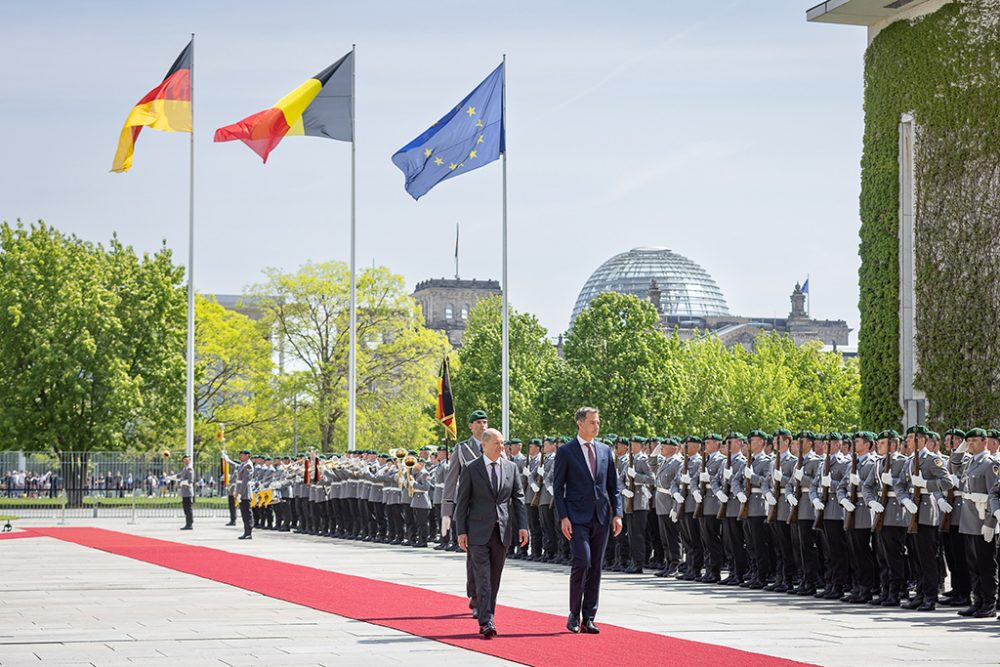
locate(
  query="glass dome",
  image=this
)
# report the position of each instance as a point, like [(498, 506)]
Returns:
[(686, 289)]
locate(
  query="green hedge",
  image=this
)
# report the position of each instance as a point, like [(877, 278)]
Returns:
[(945, 69)]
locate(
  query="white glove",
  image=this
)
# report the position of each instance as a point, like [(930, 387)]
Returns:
[(703, 477), (770, 499), (945, 507), (855, 479), (673, 515), (886, 478), (963, 448), (996, 515), (685, 478), (696, 495), (727, 473), (627, 493), (797, 474), (723, 498), (679, 498), (954, 480), (818, 505), (656, 450), (910, 507), (742, 497), (776, 474), (792, 500), (825, 480), (630, 472), (847, 505), (876, 506), (445, 524), (747, 471), (919, 481), (988, 533), (535, 487)]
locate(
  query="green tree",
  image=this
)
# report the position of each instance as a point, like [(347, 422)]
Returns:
[(308, 314), (476, 381), (621, 363), (91, 356)]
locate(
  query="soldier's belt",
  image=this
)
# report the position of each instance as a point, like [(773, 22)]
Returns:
[(756, 490), (891, 494), (958, 494)]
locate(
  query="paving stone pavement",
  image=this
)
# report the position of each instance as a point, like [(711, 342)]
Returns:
[(61, 603)]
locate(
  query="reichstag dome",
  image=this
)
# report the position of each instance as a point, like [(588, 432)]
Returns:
[(686, 289)]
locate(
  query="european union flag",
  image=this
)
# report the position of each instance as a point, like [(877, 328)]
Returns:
[(805, 287), (467, 137)]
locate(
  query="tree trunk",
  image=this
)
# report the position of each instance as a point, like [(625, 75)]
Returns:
[(73, 470)]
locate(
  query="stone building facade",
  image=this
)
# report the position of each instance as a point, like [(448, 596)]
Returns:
[(447, 302)]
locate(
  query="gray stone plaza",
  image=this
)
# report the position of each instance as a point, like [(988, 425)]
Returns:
[(61, 603)]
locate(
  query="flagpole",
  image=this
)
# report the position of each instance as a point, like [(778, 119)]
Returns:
[(352, 355), (506, 287), (189, 394), (809, 298)]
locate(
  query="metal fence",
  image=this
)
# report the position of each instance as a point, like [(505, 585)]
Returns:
[(69, 485)]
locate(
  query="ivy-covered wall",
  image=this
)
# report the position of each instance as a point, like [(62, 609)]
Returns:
[(945, 69)]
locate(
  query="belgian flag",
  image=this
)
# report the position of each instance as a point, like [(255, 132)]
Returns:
[(445, 412), (320, 107), (166, 107)]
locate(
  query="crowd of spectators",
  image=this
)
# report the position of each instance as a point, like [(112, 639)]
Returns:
[(118, 484)]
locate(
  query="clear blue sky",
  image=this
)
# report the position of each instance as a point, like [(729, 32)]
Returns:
[(727, 131)]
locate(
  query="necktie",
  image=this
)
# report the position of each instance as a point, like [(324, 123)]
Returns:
[(592, 460), (493, 475)]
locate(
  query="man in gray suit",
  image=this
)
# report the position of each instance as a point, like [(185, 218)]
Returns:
[(489, 508)]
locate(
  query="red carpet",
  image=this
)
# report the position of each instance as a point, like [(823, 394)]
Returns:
[(527, 637)]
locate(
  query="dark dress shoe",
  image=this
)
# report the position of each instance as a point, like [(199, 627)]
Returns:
[(756, 585), (913, 604), (927, 606), (804, 591), (633, 569), (187, 528), (956, 601), (441, 547), (573, 624), (589, 627), (245, 537), (671, 570), (985, 612), (890, 601), (969, 611), (833, 594), (488, 631), (711, 579), (781, 588), (231, 523)]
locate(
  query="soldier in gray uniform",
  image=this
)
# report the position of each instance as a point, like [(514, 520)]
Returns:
[(546, 502), (892, 525), (787, 543), (687, 497), (757, 472), (823, 495), (954, 544), (978, 524), (516, 551), (634, 478), (465, 453), (244, 484), (665, 462), (734, 485), (532, 488), (420, 504), (797, 493), (854, 492), (709, 483), (186, 483), (925, 474)]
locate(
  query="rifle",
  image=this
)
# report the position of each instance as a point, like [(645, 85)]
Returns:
[(699, 510), (725, 467), (772, 514), (536, 500), (884, 496), (745, 509), (818, 521), (630, 502), (793, 514), (917, 493), (946, 516), (853, 497)]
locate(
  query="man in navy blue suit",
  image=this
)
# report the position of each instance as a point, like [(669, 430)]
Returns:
[(585, 486)]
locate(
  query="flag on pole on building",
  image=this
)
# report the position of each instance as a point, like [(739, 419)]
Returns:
[(320, 107), (469, 136), (445, 412), (166, 107), (805, 286)]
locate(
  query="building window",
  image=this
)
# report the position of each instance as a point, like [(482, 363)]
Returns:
[(465, 311), (449, 312)]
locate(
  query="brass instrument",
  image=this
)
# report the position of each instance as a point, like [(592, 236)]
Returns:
[(400, 455), (410, 462)]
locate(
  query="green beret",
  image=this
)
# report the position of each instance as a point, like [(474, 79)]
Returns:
[(955, 432), (693, 438), (515, 441), (622, 440), (834, 435), (476, 415), (735, 435), (611, 437), (550, 438), (635, 438), (993, 433), (713, 436), (655, 439), (757, 434), (383, 455), (917, 429), (536, 441), (866, 435), (933, 435), (427, 448), (783, 432), (976, 433), (245, 451)]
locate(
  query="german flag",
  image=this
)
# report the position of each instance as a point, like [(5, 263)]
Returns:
[(320, 107), (445, 412), (166, 107)]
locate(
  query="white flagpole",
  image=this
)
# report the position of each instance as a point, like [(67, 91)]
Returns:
[(506, 287), (189, 394), (809, 298), (352, 355)]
